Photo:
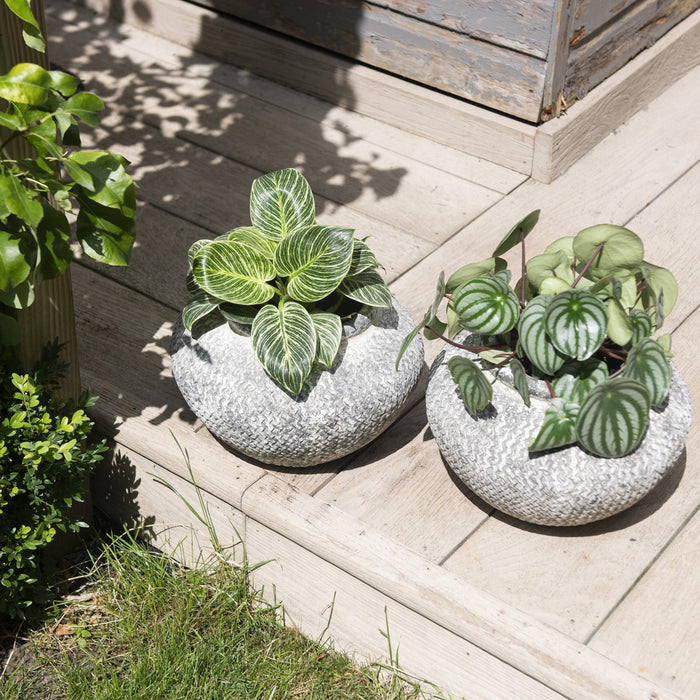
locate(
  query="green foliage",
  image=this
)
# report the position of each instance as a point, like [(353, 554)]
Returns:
[(41, 193), (581, 317), (44, 460), (286, 278)]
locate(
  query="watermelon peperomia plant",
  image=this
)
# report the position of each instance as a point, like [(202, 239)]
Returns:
[(580, 318), (288, 279)]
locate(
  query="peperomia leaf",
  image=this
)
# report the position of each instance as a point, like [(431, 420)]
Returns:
[(619, 324), (533, 338), (660, 291), (329, 332), (548, 265), (517, 233), (367, 287), (642, 326), (281, 202), (576, 323), (314, 259), (520, 380), (575, 380), (472, 270), (613, 418), (234, 272), (475, 388), (558, 428), (609, 247), (647, 363), (487, 305), (284, 340)]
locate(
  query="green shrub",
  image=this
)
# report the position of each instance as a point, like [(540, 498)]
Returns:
[(44, 461)]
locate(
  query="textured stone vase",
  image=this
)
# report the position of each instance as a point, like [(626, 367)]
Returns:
[(339, 410), (567, 486)]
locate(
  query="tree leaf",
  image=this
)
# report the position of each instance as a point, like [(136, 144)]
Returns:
[(26, 83), (19, 200), (517, 233), (575, 380), (613, 418), (558, 428), (16, 259), (647, 363), (86, 107), (281, 202), (534, 340), (487, 305), (53, 239), (284, 340), (329, 332), (576, 323), (234, 272), (475, 388), (31, 31), (10, 331), (367, 287), (314, 259)]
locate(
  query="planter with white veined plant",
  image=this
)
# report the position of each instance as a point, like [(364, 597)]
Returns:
[(286, 349), (551, 400)]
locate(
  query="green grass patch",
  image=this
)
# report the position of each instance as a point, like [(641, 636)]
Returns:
[(144, 627)]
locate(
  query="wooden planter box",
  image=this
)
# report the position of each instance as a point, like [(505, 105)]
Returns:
[(526, 58)]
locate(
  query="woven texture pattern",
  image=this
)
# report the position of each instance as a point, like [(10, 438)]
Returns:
[(560, 487), (338, 412)]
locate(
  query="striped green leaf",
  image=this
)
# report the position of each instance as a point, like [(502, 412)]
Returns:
[(613, 418), (471, 270), (533, 338), (429, 316), (475, 388), (611, 248), (575, 380), (487, 305), (233, 272), (517, 233), (199, 306), (280, 203), (250, 236), (520, 379), (329, 332), (642, 326), (314, 259), (558, 428), (367, 287), (284, 340), (576, 322), (362, 258), (647, 363)]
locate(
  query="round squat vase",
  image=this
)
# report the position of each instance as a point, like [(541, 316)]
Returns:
[(565, 486), (339, 410)]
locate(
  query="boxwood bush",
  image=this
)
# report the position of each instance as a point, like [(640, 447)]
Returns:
[(44, 461)]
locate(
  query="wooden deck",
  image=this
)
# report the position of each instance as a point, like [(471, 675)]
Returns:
[(480, 604)]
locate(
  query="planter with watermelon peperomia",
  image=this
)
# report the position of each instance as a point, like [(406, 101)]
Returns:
[(286, 349), (552, 400)]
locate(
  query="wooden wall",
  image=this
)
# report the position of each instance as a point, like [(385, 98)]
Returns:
[(526, 58)]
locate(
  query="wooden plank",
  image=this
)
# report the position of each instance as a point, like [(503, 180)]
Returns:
[(478, 617), (416, 109), (354, 615), (126, 487), (561, 142), (656, 628), (594, 58), (423, 507)]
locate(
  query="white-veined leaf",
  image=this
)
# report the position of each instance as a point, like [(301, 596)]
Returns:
[(487, 305), (329, 331), (314, 259), (475, 388), (575, 380), (647, 363), (613, 418), (576, 323), (367, 287), (281, 202), (250, 236), (642, 326), (362, 258), (533, 338), (233, 272), (284, 340), (558, 428)]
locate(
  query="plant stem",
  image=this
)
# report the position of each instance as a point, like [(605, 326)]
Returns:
[(470, 348), (588, 264), (523, 274)]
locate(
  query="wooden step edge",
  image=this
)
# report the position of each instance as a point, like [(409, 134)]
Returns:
[(516, 638), (560, 142)]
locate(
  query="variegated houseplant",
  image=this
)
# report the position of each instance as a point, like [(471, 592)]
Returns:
[(580, 317), (285, 278)]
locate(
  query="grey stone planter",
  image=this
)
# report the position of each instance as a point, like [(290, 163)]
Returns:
[(568, 486), (339, 410)]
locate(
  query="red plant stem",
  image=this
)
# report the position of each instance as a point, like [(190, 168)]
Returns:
[(523, 280), (588, 264), (550, 387)]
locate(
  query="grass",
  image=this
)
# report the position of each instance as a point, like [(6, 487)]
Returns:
[(143, 627)]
